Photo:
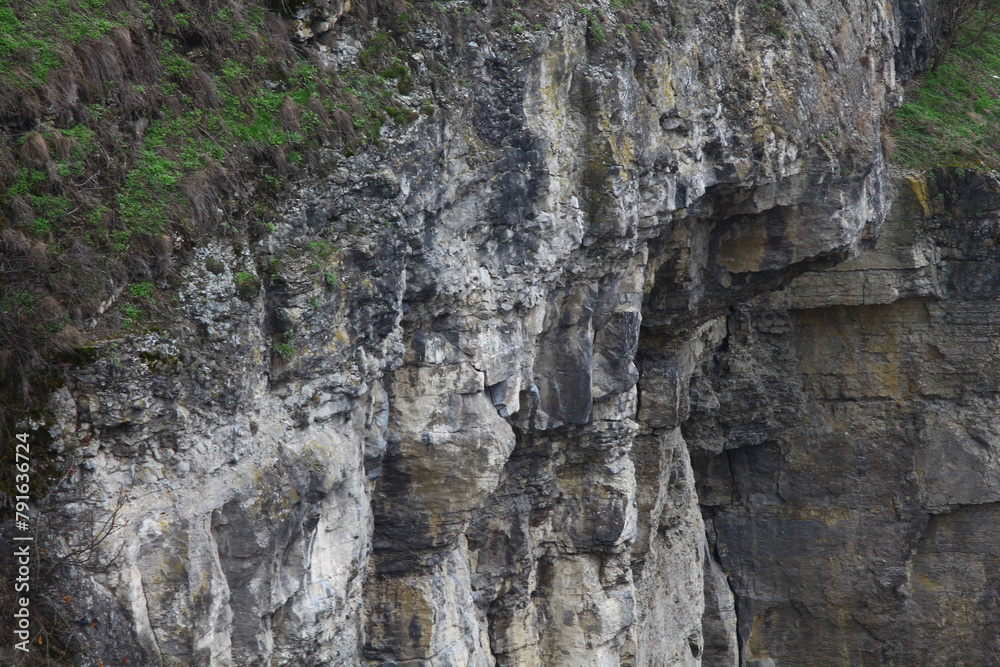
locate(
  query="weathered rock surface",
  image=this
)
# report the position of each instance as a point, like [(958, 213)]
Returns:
[(479, 452), (847, 463)]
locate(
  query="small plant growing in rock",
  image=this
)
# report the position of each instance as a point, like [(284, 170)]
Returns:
[(130, 314), (330, 279), (284, 350), (320, 248), (396, 70), (215, 265), (140, 290), (247, 285), (773, 12), (594, 23)]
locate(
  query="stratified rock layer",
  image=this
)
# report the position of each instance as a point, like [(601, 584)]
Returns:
[(847, 460)]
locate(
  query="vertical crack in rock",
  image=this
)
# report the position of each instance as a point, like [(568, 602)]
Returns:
[(455, 467)]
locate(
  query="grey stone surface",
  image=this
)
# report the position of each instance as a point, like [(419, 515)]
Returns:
[(848, 472), (480, 452)]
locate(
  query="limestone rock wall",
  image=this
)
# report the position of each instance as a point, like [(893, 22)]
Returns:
[(846, 453), (478, 452)]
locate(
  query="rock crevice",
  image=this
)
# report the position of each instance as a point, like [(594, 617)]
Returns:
[(579, 315)]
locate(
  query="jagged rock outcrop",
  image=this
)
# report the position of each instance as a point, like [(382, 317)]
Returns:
[(476, 454)]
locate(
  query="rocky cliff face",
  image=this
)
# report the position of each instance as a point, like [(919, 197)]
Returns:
[(845, 443), (478, 453)]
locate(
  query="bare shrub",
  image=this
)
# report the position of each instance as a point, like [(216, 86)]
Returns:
[(353, 103), (66, 339), (138, 267), (62, 91), (8, 164), (138, 102), (162, 247), (276, 35), (6, 361), (35, 151), (20, 104), (63, 145), (276, 156), (22, 212), (290, 115), (173, 104), (202, 88), (963, 22), (202, 198), (28, 255), (48, 308), (73, 540), (14, 242), (344, 125), (99, 63), (122, 39), (324, 129)]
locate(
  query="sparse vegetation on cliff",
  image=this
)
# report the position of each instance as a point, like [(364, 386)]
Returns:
[(131, 130), (130, 133), (951, 117)]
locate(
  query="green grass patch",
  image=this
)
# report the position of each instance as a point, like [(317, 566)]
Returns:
[(130, 311), (247, 285), (150, 188), (319, 248), (284, 350), (34, 35), (375, 94), (140, 290), (136, 128), (595, 24), (49, 209), (951, 117)]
